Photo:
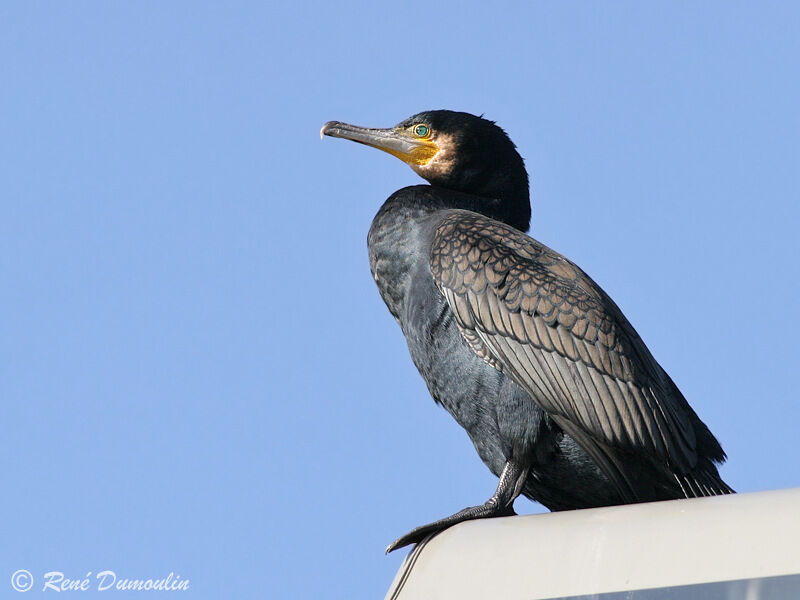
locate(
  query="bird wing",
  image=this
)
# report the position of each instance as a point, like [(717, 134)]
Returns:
[(539, 319)]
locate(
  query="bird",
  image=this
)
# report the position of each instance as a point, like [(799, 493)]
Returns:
[(561, 398)]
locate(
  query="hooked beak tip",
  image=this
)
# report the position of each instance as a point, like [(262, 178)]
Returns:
[(326, 128)]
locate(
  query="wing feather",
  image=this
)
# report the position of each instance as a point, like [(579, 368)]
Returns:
[(538, 318)]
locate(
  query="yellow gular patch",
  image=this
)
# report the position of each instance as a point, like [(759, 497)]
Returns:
[(440, 162), (420, 155)]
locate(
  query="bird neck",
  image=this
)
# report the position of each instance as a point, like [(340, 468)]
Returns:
[(401, 231), (500, 194), (508, 202)]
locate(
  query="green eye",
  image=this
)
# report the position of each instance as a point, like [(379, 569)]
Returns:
[(421, 130)]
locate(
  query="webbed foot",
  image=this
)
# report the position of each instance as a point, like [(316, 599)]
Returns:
[(512, 479), (492, 508)]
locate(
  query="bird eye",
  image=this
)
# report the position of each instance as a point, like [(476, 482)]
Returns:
[(422, 130)]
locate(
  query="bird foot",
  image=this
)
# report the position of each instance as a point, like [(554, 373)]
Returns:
[(492, 508)]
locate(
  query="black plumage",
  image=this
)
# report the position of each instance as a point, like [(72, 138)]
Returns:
[(560, 396)]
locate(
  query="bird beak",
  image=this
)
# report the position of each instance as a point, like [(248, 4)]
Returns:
[(397, 142)]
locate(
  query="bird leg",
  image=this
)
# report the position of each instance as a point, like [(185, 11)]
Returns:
[(501, 504)]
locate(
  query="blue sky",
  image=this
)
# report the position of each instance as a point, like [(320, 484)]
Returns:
[(197, 373)]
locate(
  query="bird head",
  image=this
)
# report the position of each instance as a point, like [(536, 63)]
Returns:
[(453, 150)]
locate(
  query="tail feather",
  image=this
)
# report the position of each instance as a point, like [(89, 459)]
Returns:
[(704, 480)]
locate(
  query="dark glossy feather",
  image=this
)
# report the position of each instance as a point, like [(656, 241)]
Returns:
[(544, 323)]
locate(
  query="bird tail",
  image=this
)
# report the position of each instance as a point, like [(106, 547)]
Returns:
[(704, 480)]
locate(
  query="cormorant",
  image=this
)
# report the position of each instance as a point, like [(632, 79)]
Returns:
[(560, 396)]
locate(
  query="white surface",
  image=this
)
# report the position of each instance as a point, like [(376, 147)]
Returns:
[(609, 549)]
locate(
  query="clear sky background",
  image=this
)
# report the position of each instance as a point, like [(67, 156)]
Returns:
[(197, 373)]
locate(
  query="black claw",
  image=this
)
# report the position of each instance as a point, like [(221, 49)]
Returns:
[(415, 536), (484, 511)]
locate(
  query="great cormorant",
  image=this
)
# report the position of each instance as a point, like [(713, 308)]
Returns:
[(557, 391)]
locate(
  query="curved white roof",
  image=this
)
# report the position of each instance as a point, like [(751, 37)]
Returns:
[(586, 553)]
